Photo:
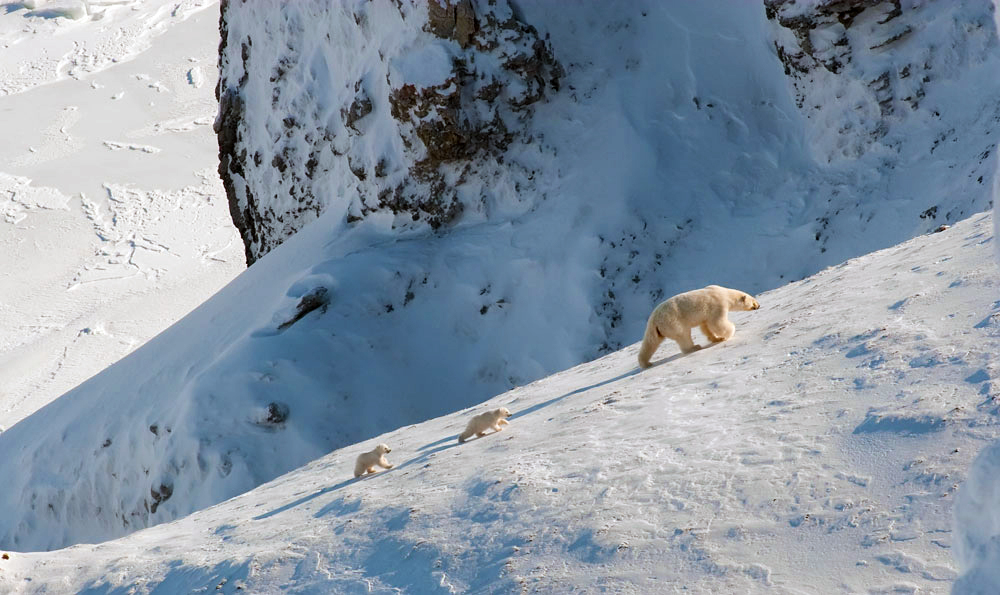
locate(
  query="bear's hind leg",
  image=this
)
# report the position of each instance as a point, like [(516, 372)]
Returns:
[(650, 342), (685, 343)]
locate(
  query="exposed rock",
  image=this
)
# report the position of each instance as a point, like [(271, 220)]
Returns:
[(861, 70), (159, 495), (832, 18), (282, 171), (275, 415), (316, 299), (452, 20)]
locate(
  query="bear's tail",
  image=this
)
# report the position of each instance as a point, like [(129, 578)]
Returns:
[(650, 341)]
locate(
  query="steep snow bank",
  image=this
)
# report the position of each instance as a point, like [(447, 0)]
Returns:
[(672, 156), (818, 451)]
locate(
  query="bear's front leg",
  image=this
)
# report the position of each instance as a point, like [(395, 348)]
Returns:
[(384, 463), (709, 334), (722, 328)]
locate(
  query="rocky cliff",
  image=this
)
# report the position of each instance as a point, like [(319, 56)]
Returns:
[(402, 109)]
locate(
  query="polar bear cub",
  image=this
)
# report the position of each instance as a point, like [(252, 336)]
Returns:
[(367, 460), (478, 425), (706, 308)]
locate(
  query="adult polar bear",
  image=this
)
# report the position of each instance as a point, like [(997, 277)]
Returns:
[(706, 307)]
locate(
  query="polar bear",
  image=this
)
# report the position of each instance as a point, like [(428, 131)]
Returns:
[(367, 460), (478, 425), (706, 307)]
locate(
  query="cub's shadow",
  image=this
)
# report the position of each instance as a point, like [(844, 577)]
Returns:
[(448, 442)]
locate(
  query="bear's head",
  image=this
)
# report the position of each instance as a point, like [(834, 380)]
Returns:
[(382, 449), (503, 412), (747, 302)]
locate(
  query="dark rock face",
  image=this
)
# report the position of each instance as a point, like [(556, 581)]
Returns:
[(292, 127), (841, 38), (275, 414), (158, 495), (877, 58), (316, 299), (825, 17)]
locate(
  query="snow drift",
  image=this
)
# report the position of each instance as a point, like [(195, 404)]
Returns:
[(672, 154), (977, 524)]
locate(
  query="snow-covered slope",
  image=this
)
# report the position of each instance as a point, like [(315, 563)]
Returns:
[(668, 161), (673, 152), (819, 451), (113, 224)]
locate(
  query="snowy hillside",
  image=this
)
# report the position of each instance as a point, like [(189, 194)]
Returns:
[(651, 176), (819, 451), (113, 224)]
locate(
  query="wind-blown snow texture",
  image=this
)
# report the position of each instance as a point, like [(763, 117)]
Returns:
[(674, 157), (113, 222), (818, 451)]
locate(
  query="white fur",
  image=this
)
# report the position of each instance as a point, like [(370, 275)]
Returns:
[(706, 308), (367, 460), (478, 425)]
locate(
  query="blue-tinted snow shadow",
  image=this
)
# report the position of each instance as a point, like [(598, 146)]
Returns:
[(584, 389), (978, 376), (224, 577), (423, 456), (312, 496), (906, 426), (989, 321), (339, 507), (437, 442), (50, 13), (534, 408)]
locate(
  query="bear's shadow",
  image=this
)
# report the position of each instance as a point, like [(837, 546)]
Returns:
[(681, 354)]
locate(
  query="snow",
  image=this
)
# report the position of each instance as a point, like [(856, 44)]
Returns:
[(818, 451), (424, 66), (977, 523), (111, 214)]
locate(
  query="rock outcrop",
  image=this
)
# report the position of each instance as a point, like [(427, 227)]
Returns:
[(298, 111), (860, 68)]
